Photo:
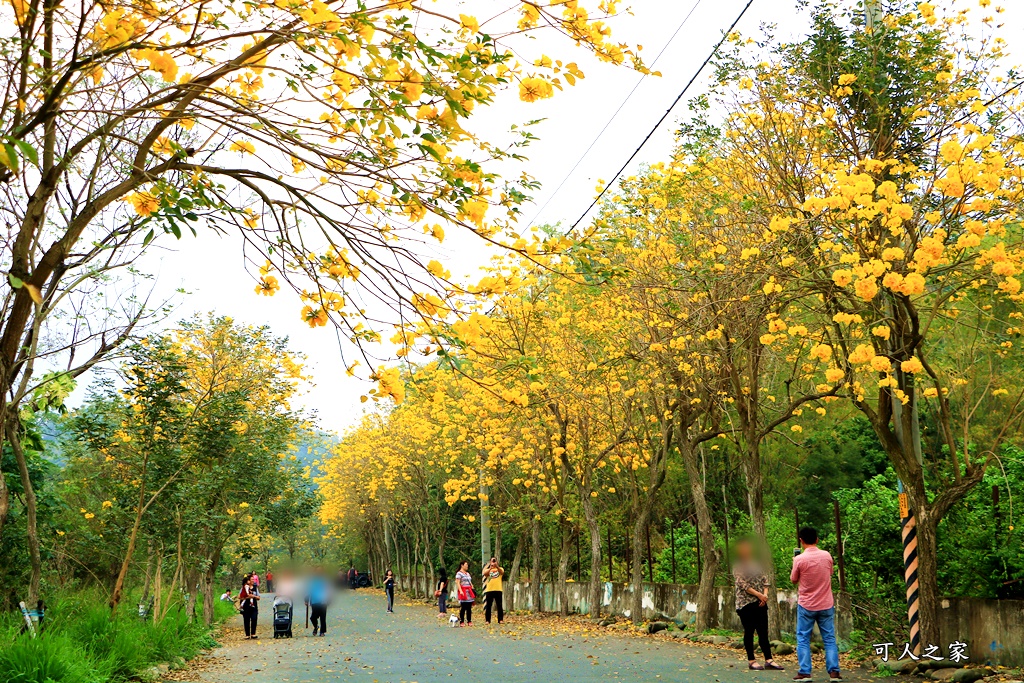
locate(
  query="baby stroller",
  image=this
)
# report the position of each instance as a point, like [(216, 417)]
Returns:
[(282, 617)]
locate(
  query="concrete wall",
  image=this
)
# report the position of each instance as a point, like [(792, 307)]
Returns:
[(675, 601), (993, 629)]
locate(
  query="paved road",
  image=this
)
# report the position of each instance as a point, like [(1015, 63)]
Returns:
[(364, 643)]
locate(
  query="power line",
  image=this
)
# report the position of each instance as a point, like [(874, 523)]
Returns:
[(667, 112), (613, 116)]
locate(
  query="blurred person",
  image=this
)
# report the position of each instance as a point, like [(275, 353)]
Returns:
[(318, 598), (751, 581), (812, 572)]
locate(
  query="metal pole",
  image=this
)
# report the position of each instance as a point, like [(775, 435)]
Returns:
[(872, 14), (611, 576), (578, 565), (551, 561), (672, 540), (839, 547), (699, 568), (725, 512), (650, 564), (995, 509), (485, 523)]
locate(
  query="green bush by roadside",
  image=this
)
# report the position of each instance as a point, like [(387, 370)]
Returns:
[(82, 644)]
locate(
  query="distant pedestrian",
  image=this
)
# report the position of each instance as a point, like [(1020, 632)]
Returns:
[(389, 590), (812, 571), (493, 595), (752, 605), (352, 576), (255, 579), (270, 581), (442, 592), (248, 602), (465, 594), (318, 597)]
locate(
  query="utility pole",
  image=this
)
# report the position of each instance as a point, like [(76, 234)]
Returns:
[(872, 14), (485, 523)]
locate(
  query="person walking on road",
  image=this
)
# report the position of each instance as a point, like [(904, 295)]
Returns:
[(318, 597), (442, 592), (812, 571), (248, 602), (389, 590), (270, 581), (465, 594), (752, 605), (493, 595)]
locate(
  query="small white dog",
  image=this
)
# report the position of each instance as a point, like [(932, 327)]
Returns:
[(453, 621)]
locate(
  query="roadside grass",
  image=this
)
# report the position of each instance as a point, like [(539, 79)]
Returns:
[(82, 644)]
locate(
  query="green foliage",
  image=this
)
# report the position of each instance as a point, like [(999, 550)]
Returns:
[(83, 644)]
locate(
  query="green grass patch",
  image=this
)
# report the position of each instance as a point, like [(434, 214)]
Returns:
[(83, 644)]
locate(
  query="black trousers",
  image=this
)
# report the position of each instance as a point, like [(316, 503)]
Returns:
[(465, 613), (318, 615), (249, 614), (755, 618), (493, 598), (270, 585)]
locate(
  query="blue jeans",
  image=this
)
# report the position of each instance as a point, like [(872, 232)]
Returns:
[(805, 621)]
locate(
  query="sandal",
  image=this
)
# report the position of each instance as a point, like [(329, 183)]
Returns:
[(754, 666), (773, 666)]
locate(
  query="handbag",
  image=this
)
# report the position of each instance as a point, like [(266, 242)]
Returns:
[(437, 593)]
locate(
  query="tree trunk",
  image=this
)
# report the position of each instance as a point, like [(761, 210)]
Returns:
[(928, 597), (5, 494), (563, 567), (191, 585), (31, 527), (535, 568), (755, 502), (594, 531), (150, 557), (642, 516), (707, 604), (209, 577), (513, 576)]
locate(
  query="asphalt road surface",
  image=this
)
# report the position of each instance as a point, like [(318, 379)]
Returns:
[(364, 643)]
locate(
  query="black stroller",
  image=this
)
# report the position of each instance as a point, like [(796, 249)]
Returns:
[(282, 617)]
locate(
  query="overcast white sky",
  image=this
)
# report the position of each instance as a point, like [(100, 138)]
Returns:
[(212, 268)]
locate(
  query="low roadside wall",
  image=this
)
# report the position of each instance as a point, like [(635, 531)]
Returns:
[(992, 629)]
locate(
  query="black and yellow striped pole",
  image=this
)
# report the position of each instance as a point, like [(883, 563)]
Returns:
[(908, 526)]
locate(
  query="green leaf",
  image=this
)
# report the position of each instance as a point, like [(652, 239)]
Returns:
[(12, 157), (28, 151), (16, 282)]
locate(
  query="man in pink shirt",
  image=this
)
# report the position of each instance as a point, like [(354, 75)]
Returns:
[(812, 572)]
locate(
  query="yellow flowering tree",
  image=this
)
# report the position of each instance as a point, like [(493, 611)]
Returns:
[(891, 160), (331, 135)]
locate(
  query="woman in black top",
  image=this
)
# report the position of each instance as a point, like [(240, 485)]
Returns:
[(442, 592), (389, 589)]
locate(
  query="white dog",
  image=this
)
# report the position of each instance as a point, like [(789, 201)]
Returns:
[(453, 621)]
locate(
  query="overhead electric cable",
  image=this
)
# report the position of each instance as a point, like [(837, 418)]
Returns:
[(604, 129), (667, 112)]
